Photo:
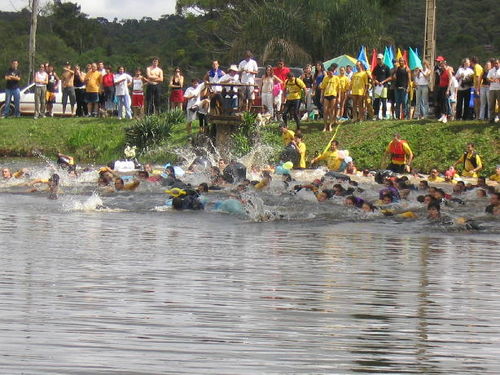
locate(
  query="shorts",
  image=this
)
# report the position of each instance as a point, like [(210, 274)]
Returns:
[(137, 99), (50, 97), (177, 96), (92, 97), (191, 115), (247, 93), (330, 97), (382, 95)]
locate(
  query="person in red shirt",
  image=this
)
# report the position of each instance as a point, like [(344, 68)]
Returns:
[(281, 71), (108, 87)]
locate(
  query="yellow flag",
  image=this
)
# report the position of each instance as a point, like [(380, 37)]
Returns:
[(399, 55)]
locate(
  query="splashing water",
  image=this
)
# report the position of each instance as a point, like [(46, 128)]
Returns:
[(92, 203)]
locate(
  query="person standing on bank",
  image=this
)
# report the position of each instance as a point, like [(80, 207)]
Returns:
[(381, 75), (248, 69), (12, 78), (401, 82), (421, 79), (41, 81), (465, 78), (400, 154), (154, 76), (176, 85), (470, 161), (68, 88)]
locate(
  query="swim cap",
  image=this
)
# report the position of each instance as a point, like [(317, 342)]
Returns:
[(175, 192)]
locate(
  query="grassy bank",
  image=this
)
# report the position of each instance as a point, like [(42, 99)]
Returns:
[(101, 140), (433, 143)]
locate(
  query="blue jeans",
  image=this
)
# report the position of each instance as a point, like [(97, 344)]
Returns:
[(124, 102), (422, 105), (9, 93), (401, 100)]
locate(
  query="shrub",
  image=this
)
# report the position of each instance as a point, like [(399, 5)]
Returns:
[(152, 131)]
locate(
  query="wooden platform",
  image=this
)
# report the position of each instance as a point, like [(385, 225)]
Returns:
[(225, 125)]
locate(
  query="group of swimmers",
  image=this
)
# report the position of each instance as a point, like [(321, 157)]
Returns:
[(400, 196)]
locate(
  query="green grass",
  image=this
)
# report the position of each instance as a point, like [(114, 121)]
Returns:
[(101, 140), (434, 144)]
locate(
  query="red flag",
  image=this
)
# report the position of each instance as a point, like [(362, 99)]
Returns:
[(405, 57), (374, 59)]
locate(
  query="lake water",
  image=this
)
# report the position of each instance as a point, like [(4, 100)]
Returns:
[(136, 290)]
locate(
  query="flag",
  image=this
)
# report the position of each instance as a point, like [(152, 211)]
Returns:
[(399, 55), (405, 57), (391, 51), (415, 61), (362, 57), (374, 59), (387, 58)]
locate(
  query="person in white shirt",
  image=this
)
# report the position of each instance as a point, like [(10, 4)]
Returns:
[(230, 93), (41, 81), (494, 94), (248, 68), (465, 78), (421, 79), (453, 94), (122, 82), (138, 82), (192, 95)]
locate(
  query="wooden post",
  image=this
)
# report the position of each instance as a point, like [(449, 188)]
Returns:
[(32, 43), (430, 35)]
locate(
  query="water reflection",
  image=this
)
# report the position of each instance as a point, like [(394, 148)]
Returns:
[(183, 293)]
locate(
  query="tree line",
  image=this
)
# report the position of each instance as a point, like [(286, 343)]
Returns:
[(202, 30)]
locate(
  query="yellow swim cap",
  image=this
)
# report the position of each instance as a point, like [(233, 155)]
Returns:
[(175, 192), (408, 215)]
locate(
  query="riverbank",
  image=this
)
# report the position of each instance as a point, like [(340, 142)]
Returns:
[(101, 140)]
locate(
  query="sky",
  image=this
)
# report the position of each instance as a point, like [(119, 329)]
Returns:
[(121, 9)]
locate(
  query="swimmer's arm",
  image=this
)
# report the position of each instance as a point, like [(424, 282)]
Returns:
[(37, 181), (132, 186)]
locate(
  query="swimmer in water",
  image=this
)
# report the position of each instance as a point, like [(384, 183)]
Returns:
[(121, 186), (352, 201), (434, 211), (53, 186), (66, 162), (52, 183), (265, 182), (6, 174), (494, 204), (368, 207)]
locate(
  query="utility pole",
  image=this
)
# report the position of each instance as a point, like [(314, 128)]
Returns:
[(430, 35), (32, 44)]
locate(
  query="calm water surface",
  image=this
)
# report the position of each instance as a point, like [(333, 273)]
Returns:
[(146, 292)]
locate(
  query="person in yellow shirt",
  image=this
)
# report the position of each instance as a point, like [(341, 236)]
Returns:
[(470, 161), (359, 91), (93, 81), (293, 87), (478, 77), (300, 148), (496, 177), (287, 135), (400, 153), (435, 177), (333, 157), (329, 90), (344, 83)]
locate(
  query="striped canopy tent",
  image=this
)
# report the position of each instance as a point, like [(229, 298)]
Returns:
[(342, 60)]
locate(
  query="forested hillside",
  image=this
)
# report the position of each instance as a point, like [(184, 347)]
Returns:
[(301, 31)]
